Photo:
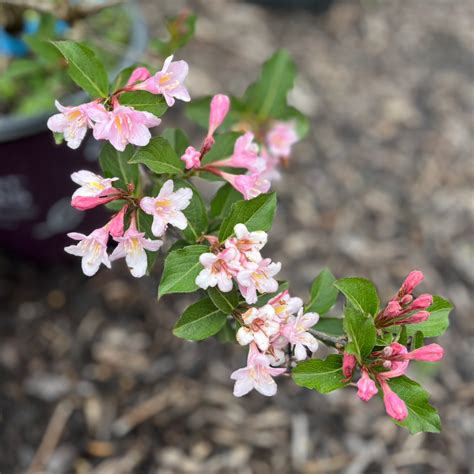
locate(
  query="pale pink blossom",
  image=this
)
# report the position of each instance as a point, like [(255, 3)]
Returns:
[(191, 157), (132, 246), (219, 109), (138, 75), (218, 269), (94, 190), (166, 208), (245, 155), (296, 332), (257, 375), (286, 305), (123, 125), (250, 186), (116, 224), (272, 163), (430, 353), (280, 138), (258, 277), (260, 325), (348, 365), (394, 405), (366, 387), (92, 248), (247, 243), (169, 81), (73, 122)]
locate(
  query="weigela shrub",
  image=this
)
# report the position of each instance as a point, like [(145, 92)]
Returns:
[(152, 186)]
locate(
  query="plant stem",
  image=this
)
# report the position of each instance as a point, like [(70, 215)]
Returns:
[(336, 342)]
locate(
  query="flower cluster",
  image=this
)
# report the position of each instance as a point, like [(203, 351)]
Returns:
[(166, 209), (121, 124), (393, 360)]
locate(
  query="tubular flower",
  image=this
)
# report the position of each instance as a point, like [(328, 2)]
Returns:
[(248, 243), (123, 125), (191, 157), (73, 122), (116, 224), (366, 387), (250, 186), (169, 81), (166, 208), (132, 246), (349, 363), (394, 405), (92, 248), (257, 375), (281, 137), (219, 109), (258, 277), (260, 326), (218, 269), (138, 75), (286, 305)]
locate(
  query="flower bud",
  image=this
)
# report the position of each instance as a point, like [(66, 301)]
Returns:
[(429, 353), (220, 104), (394, 405), (84, 203), (407, 299), (139, 74), (393, 309), (413, 279), (416, 318), (191, 157), (116, 223), (366, 387), (422, 302), (348, 364)]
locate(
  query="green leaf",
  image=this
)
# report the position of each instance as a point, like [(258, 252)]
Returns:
[(331, 326), (323, 376), (361, 331), (144, 223), (323, 293), (227, 333), (177, 138), (145, 102), (421, 415), (222, 148), (159, 157), (360, 293), (223, 200), (181, 268), (256, 214), (200, 321), (195, 213), (85, 68), (418, 340), (226, 302), (403, 337), (43, 49), (181, 30), (115, 163), (438, 321), (267, 96)]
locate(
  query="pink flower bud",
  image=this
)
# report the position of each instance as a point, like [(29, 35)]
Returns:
[(407, 299), (422, 302), (429, 353), (139, 74), (366, 387), (393, 309), (348, 364), (83, 203), (416, 318), (192, 158), (394, 405), (387, 364), (413, 279), (394, 349), (220, 104), (116, 223)]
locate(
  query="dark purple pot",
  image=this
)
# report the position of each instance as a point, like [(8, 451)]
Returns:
[(35, 183)]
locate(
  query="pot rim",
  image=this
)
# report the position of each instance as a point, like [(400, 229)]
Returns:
[(14, 127)]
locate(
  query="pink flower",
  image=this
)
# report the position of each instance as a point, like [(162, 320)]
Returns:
[(245, 155), (260, 325), (422, 302), (348, 365), (192, 158), (257, 375), (250, 186), (394, 405), (394, 354), (73, 122), (429, 353), (296, 332), (247, 243), (218, 269), (272, 163), (116, 224), (139, 74), (285, 305), (123, 125), (258, 277), (132, 246), (416, 318), (92, 248), (413, 279), (366, 387), (169, 81), (94, 190), (281, 137), (220, 104), (166, 208)]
